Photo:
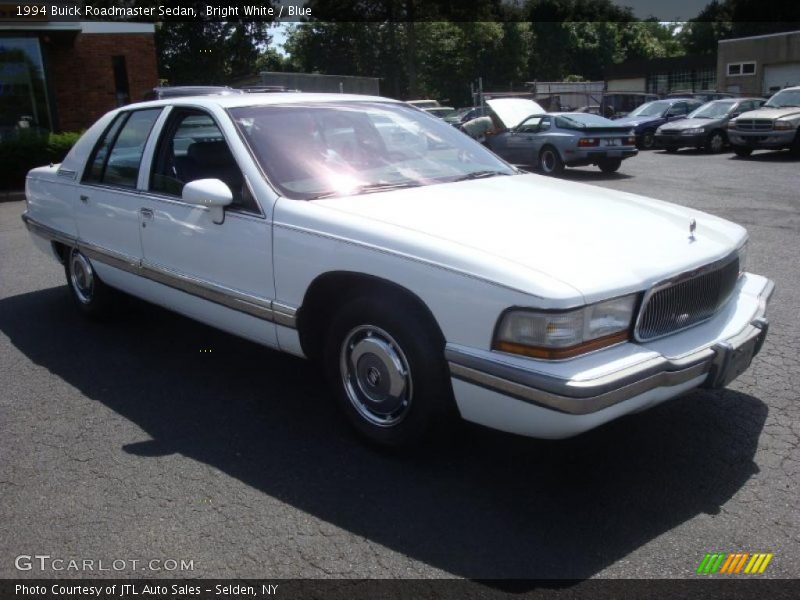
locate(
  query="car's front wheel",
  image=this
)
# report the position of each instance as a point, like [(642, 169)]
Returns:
[(550, 162), (742, 151), (384, 360), (716, 142), (610, 165), (92, 297)]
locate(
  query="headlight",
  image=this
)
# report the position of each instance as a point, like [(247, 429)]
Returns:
[(779, 124), (732, 124), (693, 131), (564, 334)]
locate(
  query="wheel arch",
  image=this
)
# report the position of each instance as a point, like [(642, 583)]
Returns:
[(329, 291)]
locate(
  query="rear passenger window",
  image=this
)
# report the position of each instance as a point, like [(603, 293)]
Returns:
[(120, 165)]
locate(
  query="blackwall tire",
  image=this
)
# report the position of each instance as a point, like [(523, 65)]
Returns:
[(384, 361)]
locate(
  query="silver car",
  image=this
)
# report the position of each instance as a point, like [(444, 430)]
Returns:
[(551, 141)]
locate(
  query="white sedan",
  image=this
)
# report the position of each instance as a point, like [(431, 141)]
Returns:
[(426, 276)]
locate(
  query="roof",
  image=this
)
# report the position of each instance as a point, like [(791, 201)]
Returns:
[(758, 37), (236, 100)]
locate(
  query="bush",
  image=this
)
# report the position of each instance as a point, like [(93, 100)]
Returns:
[(29, 150)]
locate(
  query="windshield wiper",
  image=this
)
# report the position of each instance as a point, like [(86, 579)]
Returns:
[(367, 188), (479, 175)]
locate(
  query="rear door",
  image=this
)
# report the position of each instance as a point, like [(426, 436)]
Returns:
[(108, 208)]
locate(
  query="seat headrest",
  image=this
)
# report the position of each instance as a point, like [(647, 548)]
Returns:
[(211, 154)]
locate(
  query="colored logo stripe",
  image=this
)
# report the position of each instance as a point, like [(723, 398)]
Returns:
[(722, 562)]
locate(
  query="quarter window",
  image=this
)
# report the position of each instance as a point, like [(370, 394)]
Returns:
[(126, 138)]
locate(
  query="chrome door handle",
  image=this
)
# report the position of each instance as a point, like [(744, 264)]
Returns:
[(84, 198), (146, 213)]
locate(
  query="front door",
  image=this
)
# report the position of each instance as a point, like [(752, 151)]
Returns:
[(221, 273)]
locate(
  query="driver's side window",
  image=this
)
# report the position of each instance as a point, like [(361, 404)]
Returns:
[(192, 147), (531, 125)]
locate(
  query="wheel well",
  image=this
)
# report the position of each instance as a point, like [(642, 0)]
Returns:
[(61, 251), (330, 291)]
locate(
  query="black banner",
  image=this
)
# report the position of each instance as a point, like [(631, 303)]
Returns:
[(387, 10), (377, 589)]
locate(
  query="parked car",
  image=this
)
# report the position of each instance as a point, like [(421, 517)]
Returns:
[(650, 116), (439, 111), (774, 126), (615, 105), (462, 115), (552, 141), (703, 96), (423, 104), (424, 286), (705, 127), (157, 93)]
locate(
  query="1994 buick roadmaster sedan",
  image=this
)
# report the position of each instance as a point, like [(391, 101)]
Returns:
[(426, 276)]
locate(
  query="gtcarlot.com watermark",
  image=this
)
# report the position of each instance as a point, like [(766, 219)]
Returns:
[(47, 563)]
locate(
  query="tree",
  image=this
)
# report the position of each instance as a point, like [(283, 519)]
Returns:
[(206, 52)]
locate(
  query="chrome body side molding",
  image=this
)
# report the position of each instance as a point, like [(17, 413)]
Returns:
[(262, 308)]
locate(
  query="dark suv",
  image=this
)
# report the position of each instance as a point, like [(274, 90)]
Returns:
[(651, 115)]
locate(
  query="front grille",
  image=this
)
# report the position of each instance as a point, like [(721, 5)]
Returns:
[(669, 131), (687, 300), (754, 124)]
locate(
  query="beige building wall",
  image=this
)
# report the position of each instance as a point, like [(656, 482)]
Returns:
[(766, 50)]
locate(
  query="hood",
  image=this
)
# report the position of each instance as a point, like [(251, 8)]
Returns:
[(771, 113), (512, 111), (521, 230), (681, 124)]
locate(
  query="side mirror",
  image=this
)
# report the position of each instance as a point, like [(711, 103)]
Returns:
[(211, 193)]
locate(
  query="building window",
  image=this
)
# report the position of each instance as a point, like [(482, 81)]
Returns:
[(23, 93), (741, 68), (121, 87)]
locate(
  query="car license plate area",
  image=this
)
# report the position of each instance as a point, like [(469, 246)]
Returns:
[(611, 142)]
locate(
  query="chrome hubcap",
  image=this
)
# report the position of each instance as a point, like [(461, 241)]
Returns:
[(375, 375), (716, 143), (81, 276)]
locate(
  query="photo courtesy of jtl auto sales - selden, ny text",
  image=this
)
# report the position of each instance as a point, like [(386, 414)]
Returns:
[(399, 300)]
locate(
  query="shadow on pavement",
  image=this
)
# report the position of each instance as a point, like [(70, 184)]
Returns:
[(479, 504)]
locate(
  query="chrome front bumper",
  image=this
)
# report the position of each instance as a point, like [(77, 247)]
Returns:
[(719, 362)]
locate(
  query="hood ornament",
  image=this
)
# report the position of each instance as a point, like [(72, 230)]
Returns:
[(692, 227)]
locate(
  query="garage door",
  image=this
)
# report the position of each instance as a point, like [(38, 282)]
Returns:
[(777, 77)]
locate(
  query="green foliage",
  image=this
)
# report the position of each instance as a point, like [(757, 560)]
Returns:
[(29, 150), (209, 53)]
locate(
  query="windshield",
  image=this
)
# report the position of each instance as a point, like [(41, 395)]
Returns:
[(339, 149), (784, 98), (651, 109), (712, 110)]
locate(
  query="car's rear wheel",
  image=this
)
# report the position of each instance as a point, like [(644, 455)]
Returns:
[(648, 140), (550, 162), (716, 142), (610, 165), (384, 360), (92, 297), (742, 151)]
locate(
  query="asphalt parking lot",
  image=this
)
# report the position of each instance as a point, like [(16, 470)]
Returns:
[(152, 437)]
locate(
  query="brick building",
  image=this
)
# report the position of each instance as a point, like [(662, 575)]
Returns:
[(61, 76)]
